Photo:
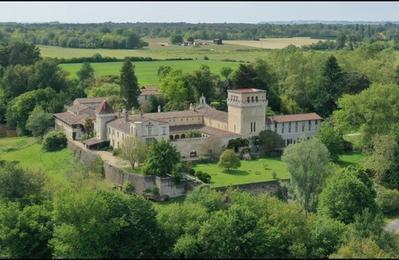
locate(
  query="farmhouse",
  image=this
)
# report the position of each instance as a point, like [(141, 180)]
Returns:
[(195, 132)]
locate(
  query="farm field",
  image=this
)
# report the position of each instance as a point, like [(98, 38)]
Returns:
[(30, 155), (273, 43), (146, 71), (260, 170)]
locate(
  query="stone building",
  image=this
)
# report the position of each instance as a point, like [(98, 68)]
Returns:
[(198, 131)]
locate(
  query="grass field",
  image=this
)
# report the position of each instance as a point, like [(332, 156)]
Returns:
[(274, 43), (260, 170), (30, 155), (146, 71)]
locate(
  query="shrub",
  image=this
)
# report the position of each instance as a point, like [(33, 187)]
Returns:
[(229, 160), (203, 176), (129, 188), (54, 141), (388, 200)]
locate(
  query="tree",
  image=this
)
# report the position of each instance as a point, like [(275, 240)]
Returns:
[(203, 82), (269, 141), (345, 196), (331, 88), (229, 160), (176, 90), (332, 139), (19, 52), (372, 111), (163, 70), (104, 224), (307, 162), (25, 232), (134, 150), (86, 74), (361, 248), (39, 121), (128, 83), (89, 127), (161, 159), (104, 90), (54, 141), (176, 39), (18, 185)]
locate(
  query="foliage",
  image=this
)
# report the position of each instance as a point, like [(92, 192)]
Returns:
[(161, 159), (129, 88), (134, 150), (25, 232), (129, 188), (18, 52), (203, 176), (345, 196), (18, 185), (39, 121), (104, 224), (307, 161), (361, 248), (269, 141), (388, 200), (86, 74), (193, 134), (229, 160), (54, 141), (372, 111), (176, 39), (332, 139), (237, 143)]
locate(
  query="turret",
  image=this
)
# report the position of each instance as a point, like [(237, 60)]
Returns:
[(104, 114)]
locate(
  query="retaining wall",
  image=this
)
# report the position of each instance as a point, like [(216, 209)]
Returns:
[(257, 187)]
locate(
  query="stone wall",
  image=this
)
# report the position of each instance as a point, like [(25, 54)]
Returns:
[(202, 145), (119, 177), (256, 188)]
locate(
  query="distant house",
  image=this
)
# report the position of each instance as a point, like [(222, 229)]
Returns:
[(218, 41), (147, 92)]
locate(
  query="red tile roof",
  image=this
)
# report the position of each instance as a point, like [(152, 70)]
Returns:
[(295, 117), (246, 90)]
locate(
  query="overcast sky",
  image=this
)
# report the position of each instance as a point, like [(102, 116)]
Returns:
[(194, 12)]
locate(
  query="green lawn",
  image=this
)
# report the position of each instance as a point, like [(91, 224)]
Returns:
[(31, 156), (250, 171), (260, 170), (146, 71)]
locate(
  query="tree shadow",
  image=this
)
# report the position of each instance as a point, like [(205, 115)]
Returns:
[(236, 172)]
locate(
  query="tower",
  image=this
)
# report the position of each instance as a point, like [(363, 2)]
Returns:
[(246, 111), (104, 114)]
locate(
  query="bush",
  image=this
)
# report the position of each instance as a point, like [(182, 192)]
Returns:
[(203, 176), (129, 188), (388, 200), (54, 141)]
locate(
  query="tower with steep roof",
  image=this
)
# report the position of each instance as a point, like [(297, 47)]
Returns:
[(104, 114)]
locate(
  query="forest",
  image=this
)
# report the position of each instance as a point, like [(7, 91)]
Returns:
[(130, 35)]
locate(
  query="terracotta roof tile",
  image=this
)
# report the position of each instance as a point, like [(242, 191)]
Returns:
[(246, 90), (104, 108), (294, 117)]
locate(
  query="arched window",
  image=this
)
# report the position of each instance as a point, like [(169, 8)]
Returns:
[(183, 136), (248, 99), (252, 99), (171, 137), (176, 137)]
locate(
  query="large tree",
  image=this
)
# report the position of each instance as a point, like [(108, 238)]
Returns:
[(104, 224), (162, 159), (39, 121), (130, 90), (269, 141), (346, 196), (86, 74), (229, 160), (307, 162), (332, 139)]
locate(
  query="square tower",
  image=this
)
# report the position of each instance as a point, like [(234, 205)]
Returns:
[(246, 111)]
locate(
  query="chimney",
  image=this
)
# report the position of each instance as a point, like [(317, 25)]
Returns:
[(159, 108), (125, 114)]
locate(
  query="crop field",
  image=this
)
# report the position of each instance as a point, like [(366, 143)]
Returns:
[(146, 71), (273, 43)]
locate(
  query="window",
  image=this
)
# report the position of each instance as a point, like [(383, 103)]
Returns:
[(316, 122), (303, 126), (163, 130), (256, 98), (275, 127), (254, 126), (310, 123), (252, 99), (282, 128), (296, 127), (247, 99), (149, 130), (289, 127), (251, 127)]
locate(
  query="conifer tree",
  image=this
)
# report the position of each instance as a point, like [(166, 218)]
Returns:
[(129, 86)]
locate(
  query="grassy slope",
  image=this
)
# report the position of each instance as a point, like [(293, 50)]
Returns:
[(31, 156), (146, 72), (260, 170)]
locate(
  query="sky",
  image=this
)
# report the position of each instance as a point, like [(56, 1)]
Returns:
[(196, 12)]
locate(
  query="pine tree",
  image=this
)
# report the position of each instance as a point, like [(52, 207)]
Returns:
[(129, 87)]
